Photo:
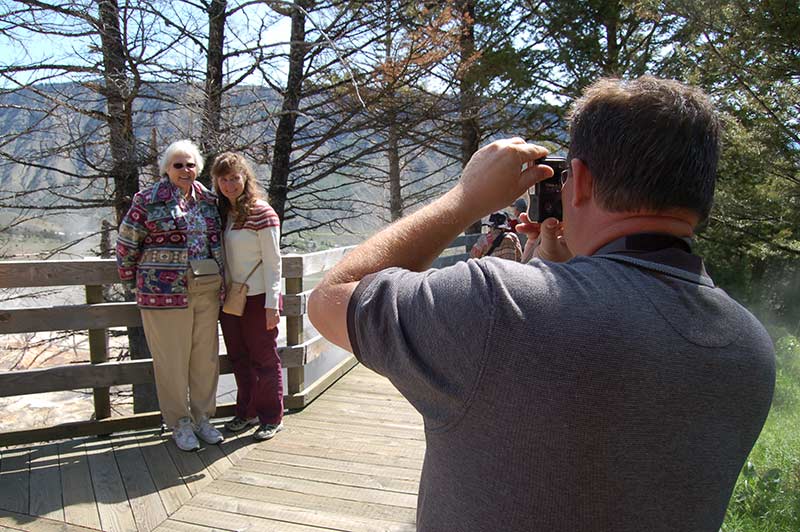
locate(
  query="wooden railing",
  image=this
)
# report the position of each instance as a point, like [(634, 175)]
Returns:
[(97, 316)]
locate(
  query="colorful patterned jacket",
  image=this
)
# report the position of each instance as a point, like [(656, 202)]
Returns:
[(152, 244)]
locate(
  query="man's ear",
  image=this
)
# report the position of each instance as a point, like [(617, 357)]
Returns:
[(583, 182)]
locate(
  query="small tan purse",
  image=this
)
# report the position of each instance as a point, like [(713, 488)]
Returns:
[(236, 295)]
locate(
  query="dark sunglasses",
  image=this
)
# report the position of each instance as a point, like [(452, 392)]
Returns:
[(178, 166)]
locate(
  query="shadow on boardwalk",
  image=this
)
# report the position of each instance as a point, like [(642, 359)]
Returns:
[(349, 461)]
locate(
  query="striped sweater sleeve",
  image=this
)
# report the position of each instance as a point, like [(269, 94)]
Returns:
[(261, 216), (265, 222)]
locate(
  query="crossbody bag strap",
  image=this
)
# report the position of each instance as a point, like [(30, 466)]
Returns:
[(496, 243), (225, 259), (252, 271)]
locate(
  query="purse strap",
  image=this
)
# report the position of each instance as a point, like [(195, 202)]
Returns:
[(225, 260), (496, 243), (252, 271)]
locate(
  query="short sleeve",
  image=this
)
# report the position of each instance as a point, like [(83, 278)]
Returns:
[(427, 332)]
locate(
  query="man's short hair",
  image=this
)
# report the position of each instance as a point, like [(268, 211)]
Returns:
[(651, 144)]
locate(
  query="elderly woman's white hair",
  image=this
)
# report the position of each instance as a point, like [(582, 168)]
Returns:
[(182, 147)]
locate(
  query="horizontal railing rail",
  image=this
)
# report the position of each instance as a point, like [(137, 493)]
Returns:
[(98, 316)]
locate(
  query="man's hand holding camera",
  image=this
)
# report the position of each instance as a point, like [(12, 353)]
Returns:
[(501, 172), (497, 174), (545, 240)]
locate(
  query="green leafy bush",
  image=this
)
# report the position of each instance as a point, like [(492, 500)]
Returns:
[(767, 494)]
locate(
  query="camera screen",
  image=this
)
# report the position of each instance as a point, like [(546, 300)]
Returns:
[(545, 196)]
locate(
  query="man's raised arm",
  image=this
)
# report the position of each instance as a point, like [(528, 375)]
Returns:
[(491, 180)]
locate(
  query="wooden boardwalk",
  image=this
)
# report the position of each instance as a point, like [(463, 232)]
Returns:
[(350, 461)]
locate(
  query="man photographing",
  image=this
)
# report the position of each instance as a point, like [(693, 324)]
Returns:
[(607, 385)]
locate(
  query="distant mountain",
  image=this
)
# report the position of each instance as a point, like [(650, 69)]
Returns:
[(43, 126), (54, 153)]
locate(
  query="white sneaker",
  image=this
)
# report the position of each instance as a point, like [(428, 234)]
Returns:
[(267, 432), (184, 436), (208, 432)]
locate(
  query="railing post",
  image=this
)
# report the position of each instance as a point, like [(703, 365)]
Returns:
[(294, 336), (98, 353)]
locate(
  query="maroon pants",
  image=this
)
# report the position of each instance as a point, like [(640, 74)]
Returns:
[(253, 352)]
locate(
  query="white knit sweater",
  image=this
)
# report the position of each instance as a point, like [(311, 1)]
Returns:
[(257, 238)]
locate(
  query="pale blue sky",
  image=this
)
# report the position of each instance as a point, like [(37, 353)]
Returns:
[(30, 48)]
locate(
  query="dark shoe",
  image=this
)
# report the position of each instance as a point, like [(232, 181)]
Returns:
[(236, 424), (267, 432)]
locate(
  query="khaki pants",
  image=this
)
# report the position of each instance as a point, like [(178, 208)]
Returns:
[(185, 348)]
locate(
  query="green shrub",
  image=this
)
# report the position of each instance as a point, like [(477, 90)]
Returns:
[(767, 495), (787, 352), (787, 391)]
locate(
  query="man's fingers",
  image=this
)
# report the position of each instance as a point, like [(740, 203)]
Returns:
[(528, 153), (553, 247), (498, 173), (549, 232), (528, 228)]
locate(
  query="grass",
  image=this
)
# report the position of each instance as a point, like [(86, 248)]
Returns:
[(767, 494)]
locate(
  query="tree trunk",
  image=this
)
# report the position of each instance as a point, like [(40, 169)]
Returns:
[(212, 112), (119, 101), (393, 135), (611, 64), (468, 104), (393, 152), (106, 250), (284, 135), (124, 171)]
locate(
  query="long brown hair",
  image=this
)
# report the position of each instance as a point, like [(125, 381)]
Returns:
[(228, 163)]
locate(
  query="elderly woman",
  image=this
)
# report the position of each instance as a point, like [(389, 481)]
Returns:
[(252, 237), (169, 242)]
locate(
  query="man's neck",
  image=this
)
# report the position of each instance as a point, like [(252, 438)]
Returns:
[(678, 223)]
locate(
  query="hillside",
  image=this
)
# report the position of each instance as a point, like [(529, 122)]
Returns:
[(54, 160)]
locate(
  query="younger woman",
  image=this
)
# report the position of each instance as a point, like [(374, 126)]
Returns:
[(252, 234)]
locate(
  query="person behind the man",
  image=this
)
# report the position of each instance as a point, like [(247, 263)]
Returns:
[(499, 241), (518, 207), (606, 386)]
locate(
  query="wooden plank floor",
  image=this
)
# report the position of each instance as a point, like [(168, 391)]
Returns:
[(350, 461)]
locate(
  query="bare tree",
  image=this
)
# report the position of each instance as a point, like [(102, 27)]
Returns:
[(316, 140), (108, 85), (120, 91), (56, 106), (284, 136), (400, 115), (215, 59)]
